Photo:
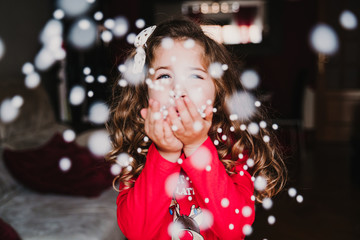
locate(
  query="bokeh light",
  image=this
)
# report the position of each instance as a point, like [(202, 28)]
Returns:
[(267, 203), (121, 26), (99, 143), (215, 70), (140, 23), (32, 80), (242, 105), (200, 158), (73, 8), (69, 135), (77, 95), (171, 183), (27, 68), (65, 164), (8, 112), (98, 113), (292, 192), (250, 79), (324, 39), (82, 34), (271, 219), (348, 20), (260, 183)]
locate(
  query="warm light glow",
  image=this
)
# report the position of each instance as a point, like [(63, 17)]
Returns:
[(224, 7), (213, 31), (204, 8), (215, 8), (231, 34)]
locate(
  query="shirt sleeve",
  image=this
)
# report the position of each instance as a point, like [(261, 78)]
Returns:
[(223, 195), (142, 209)]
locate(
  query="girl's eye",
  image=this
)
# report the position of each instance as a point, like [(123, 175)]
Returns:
[(196, 76), (163, 76)]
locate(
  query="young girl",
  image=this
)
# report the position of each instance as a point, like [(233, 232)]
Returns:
[(191, 169)]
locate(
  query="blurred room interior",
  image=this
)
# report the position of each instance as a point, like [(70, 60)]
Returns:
[(314, 95)]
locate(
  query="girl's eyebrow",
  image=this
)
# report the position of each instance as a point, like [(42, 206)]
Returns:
[(162, 67), (198, 69)]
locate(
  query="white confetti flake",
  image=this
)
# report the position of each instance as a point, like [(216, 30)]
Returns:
[(215, 70), (208, 168), (324, 39), (253, 128), (17, 101), (206, 219), (115, 169), (157, 115), (175, 228), (73, 8), (106, 36), (146, 139), (245, 167), (8, 112), (267, 203), (69, 135), (257, 103), (121, 27), (58, 14), (250, 79), (241, 173), (189, 43), (77, 95), (246, 211), (271, 219), (197, 126), (171, 183), (266, 138), (299, 198), (237, 211), (207, 200), (216, 142), (247, 229), (241, 156), (242, 104), (140, 23), (101, 79), (90, 93), (179, 161), (262, 124), (224, 67), (348, 20), (174, 128), (250, 162), (32, 80), (260, 183), (89, 79), (65, 164), (242, 127), (189, 198), (167, 43), (139, 150), (231, 226), (123, 160), (232, 129), (123, 83), (225, 202), (151, 71), (98, 113), (130, 38), (200, 158), (99, 143), (219, 130), (27, 68), (109, 23), (292, 192), (98, 16), (83, 34), (252, 198), (86, 70), (275, 126), (224, 137)]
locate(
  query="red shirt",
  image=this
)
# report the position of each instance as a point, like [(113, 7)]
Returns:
[(208, 195)]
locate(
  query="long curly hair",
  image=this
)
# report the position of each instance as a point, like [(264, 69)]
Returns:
[(126, 126)]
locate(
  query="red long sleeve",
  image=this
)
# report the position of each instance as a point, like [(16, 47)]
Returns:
[(217, 186), (143, 211)]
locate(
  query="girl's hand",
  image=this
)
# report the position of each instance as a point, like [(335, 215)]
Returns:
[(159, 131), (192, 129)]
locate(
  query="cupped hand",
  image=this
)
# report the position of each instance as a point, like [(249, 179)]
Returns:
[(192, 129), (159, 131)]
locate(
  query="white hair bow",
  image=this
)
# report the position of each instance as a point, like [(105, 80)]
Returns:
[(140, 56)]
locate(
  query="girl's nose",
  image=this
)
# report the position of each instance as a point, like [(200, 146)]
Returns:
[(179, 90)]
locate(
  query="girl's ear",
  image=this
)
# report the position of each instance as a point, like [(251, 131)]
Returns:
[(143, 113)]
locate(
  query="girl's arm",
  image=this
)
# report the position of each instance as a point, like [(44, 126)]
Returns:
[(225, 195), (143, 209)]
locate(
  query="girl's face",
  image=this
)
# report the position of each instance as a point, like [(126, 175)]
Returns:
[(180, 71)]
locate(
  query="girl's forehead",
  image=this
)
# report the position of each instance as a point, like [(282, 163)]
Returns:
[(173, 50)]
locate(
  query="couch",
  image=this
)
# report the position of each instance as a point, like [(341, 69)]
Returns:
[(40, 215)]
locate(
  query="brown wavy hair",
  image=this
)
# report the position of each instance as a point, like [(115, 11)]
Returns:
[(126, 126)]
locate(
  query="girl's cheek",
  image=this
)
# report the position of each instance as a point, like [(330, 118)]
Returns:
[(197, 96)]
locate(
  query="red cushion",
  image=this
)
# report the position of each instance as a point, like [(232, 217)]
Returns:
[(7, 232), (39, 169)]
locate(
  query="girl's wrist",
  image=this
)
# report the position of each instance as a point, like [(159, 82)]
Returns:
[(170, 156), (191, 148)]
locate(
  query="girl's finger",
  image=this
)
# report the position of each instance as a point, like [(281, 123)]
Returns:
[(168, 134), (209, 114), (186, 119), (192, 109), (175, 122)]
